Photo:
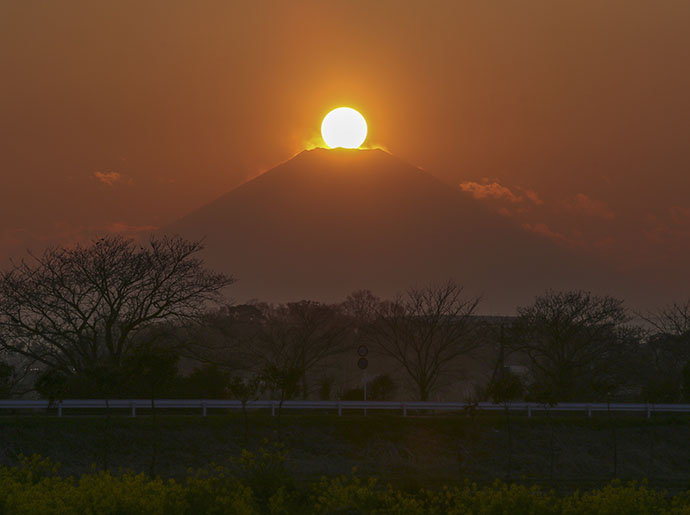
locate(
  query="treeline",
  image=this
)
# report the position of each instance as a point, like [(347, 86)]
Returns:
[(115, 319)]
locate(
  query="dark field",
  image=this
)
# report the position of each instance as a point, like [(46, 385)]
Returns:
[(565, 452)]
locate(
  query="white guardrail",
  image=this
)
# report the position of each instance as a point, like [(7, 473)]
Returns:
[(404, 407)]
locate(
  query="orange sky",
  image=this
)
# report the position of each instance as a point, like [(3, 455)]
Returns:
[(573, 117)]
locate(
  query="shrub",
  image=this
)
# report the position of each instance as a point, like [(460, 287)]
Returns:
[(206, 382), (381, 388), (325, 388), (264, 471), (353, 394), (617, 498)]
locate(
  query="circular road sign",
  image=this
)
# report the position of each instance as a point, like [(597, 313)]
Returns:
[(362, 350), (362, 363)]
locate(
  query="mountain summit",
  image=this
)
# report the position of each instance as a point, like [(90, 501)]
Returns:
[(328, 222)]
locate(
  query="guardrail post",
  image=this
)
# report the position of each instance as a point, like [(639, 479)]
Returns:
[(134, 409), (589, 411), (340, 409), (203, 409), (59, 408), (649, 411), (404, 409), (273, 408), (529, 411)]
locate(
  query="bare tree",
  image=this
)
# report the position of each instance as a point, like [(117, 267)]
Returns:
[(673, 319), (224, 338), (246, 389), (667, 352), (7, 380), (153, 368), (74, 309), (361, 307), (426, 331), (575, 341), (299, 336), (504, 388), (16, 375)]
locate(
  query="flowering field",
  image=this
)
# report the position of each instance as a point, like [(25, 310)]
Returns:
[(255, 483)]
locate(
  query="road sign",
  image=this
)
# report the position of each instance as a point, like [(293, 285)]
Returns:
[(362, 350), (363, 363)]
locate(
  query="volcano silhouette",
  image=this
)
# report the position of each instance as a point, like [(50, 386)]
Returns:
[(328, 222)]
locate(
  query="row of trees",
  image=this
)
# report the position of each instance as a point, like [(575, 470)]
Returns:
[(116, 319)]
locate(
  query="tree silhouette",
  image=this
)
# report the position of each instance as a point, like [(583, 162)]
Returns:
[(6, 380), (667, 353), (503, 388), (152, 368), (573, 340), (16, 376), (425, 331), (245, 389), (224, 338), (73, 309), (282, 380), (298, 336)]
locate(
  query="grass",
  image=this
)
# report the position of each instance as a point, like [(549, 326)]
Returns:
[(565, 451)]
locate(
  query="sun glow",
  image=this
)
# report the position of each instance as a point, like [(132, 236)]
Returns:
[(344, 127)]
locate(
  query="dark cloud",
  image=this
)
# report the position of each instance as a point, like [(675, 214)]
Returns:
[(543, 229), (585, 205)]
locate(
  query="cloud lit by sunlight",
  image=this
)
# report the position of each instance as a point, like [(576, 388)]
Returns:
[(108, 178)]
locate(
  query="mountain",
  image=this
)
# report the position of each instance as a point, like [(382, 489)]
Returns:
[(328, 222)]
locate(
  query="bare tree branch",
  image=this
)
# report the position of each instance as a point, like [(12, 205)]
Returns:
[(74, 308), (570, 337), (425, 331)]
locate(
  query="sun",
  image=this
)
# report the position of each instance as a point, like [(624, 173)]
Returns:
[(344, 127)]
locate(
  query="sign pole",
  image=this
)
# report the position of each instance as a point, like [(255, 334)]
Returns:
[(363, 363), (365, 392)]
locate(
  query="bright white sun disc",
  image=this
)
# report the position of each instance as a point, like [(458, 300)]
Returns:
[(344, 127)]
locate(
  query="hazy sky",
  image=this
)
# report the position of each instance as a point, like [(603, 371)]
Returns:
[(573, 117)]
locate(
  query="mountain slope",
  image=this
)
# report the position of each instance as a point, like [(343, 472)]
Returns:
[(330, 221)]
